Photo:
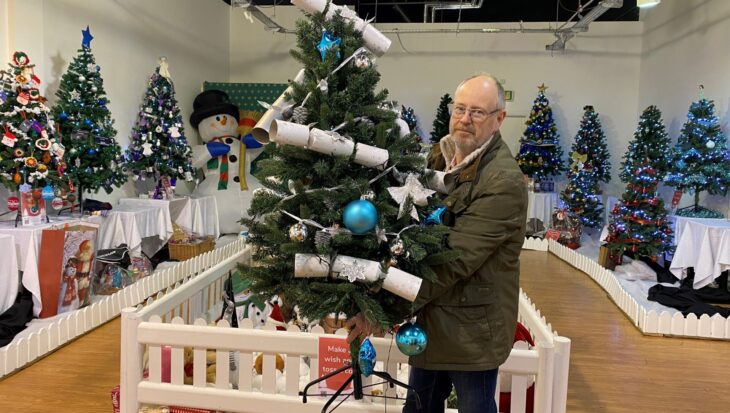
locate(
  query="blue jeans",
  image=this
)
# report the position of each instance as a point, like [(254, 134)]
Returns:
[(474, 390)]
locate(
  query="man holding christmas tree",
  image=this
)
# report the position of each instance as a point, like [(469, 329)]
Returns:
[(470, 313)]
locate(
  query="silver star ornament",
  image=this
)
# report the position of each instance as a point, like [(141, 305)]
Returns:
[(413, 188)]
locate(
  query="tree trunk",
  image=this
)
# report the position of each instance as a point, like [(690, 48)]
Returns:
[(697, 199)]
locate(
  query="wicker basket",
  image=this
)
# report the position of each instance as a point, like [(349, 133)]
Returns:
[(184, 251)]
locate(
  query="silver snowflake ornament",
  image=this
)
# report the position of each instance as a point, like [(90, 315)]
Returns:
[(353, 272)]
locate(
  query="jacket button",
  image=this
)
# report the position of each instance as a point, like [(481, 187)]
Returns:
[(449, 203), (462, 299)]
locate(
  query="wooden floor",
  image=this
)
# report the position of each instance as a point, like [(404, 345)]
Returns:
[(613, 368)]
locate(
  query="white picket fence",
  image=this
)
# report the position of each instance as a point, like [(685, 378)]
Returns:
[(648, 322), (172, 320), (537, 244), (67, 327)]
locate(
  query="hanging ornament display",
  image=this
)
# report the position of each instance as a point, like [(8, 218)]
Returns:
[(298, 232), (362, 61), (413, 189), (411, 339), (397, 248), (366, 357), (327, 42), (299, 115), (360, 216)]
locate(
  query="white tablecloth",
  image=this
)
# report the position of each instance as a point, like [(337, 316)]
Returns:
[(198, 215), (703, 244), (27, 251), (129, 224), (541, 205), (9, 275)]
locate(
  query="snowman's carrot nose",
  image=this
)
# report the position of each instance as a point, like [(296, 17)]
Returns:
[(224, 121)]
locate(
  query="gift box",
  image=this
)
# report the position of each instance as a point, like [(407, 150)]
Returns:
[(65, 267), (569, 227), (607, 258)]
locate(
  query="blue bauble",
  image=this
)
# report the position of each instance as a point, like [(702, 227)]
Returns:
[(63, 116), (366, 357), (91, 151), (360, 216), (87, 122), (411, 339), (48, 193)]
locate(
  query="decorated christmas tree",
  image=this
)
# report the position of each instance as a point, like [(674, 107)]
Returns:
[(540, 153), (580, 195), (700, 158), (337, 228), (650, 141), (31, 157), (159, 148), (591, 141), (82, 116), (441, 123), (639, 221)]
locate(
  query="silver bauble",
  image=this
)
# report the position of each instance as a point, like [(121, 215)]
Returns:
[(397, 248), (298, 232)]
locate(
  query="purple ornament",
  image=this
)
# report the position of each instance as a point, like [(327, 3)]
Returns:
[(135, 156)]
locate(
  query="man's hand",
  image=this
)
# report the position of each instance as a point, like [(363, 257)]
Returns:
[(361, 328)]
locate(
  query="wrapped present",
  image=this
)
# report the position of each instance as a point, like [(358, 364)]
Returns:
[(607, 258), (569, 227)]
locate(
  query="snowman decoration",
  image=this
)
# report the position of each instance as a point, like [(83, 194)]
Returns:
[(224, 159)]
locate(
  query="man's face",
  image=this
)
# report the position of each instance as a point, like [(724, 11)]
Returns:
[(477, 98)]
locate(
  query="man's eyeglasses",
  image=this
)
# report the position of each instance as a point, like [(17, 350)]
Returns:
[(476, 115)]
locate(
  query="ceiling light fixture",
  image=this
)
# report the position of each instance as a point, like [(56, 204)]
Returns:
[(645, 4)]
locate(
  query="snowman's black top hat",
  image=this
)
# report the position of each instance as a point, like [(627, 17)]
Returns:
[(212, 102)]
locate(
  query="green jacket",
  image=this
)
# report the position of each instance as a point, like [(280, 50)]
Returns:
[(470, 313)]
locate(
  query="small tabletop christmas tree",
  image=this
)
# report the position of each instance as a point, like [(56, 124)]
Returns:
[(159, 148), (700, 160), (31, 157), (591, 141), (82, 116), (540, 153), (639, 220), (650, 141), (441, 123)]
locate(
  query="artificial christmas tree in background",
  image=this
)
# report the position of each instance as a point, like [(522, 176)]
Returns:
[(338, 223), (441, 122), (159, 148), (581, 194), (82, 117), (540, 154), (639, 221), (651, 142), (31, 158), (700, 158), (591, 141)]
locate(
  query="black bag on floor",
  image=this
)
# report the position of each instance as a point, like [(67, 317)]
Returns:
[(14, 319)]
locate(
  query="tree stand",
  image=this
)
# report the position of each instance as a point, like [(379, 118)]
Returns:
[(357, 388)]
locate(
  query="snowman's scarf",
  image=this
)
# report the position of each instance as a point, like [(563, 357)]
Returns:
[(223, 176)]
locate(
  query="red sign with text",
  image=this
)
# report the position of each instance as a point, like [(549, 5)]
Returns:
[(333, 353)]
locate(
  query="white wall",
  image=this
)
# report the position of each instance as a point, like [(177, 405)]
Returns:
[(129, 36), (600, 68), (685, 44)]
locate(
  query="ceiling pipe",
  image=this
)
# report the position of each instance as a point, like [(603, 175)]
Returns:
[(400, 11), (563, 35)]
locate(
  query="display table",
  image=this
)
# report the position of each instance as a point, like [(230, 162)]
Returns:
[(703, 244), (197, 215), (143, 228), (9, 275), (27, 251), (541, 205)]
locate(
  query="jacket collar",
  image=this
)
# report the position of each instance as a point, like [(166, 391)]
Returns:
[(467, 169)]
